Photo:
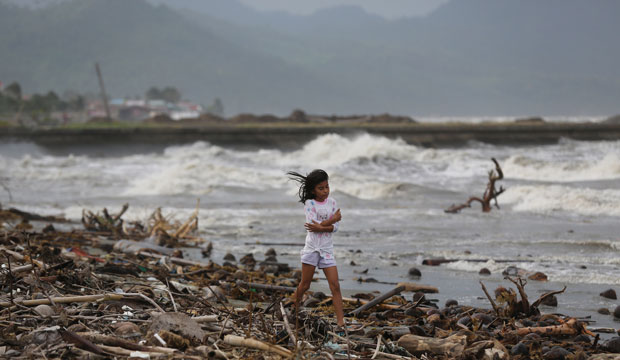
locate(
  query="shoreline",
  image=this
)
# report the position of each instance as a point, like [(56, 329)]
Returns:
[(289, 134), (185, 307)]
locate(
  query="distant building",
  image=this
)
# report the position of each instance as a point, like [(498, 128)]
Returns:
[(134, 113), (139, 109)]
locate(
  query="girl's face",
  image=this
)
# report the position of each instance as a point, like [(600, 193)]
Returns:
[(321, 191)]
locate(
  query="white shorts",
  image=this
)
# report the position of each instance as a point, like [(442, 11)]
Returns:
[(315, 259)]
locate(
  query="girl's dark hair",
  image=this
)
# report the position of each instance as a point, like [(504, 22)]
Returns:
[(308, 182)]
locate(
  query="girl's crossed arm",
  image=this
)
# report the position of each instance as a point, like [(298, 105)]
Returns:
[(313, 225)]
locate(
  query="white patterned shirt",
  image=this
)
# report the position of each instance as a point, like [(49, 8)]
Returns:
[(320, 241)]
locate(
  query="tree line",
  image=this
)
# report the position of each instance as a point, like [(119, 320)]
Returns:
[(13, 101)]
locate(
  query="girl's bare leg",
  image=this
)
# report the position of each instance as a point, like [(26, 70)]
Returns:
[(331, 273), (307, 272)]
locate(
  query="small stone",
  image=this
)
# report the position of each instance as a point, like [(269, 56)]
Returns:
[(319, 295), (511, 271), (414, 311), (484, 271), (582, 338), (229, 257), (271, 259), (483, 318), (532, 336), (550, 301), (557, 353), (465, 321), (49, 228), (451, 302), (365, 296), (418, 330), (603, 311), (311, 302), (612, 345), (352, 263), (538, 276), (415, 272), (528, 323), (248, 259), (617, 312), (44, 311), (127, 329), (520, 349), (270, 252), (609, 294), (583, 267)]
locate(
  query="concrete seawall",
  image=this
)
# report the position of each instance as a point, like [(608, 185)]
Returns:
[(292, 135)]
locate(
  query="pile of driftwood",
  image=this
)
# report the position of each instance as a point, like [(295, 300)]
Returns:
[(113, 291)]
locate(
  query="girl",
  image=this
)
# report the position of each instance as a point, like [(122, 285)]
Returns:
[(322, 219)]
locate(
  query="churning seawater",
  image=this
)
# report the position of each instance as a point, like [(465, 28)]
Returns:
[(559, 214)]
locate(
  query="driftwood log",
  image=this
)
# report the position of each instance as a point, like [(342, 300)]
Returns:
[(490, 194), (570, 327), (451, 346), (235, 340), (395, 291)]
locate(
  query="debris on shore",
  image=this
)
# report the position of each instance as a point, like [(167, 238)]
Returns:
[(490, 193), (122, 289)]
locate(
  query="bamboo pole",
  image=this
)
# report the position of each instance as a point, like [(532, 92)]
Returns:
[(208, 318), (112, 341), (174, 260), (266, 286), (64, 300)]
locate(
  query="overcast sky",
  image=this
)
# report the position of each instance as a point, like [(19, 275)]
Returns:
[(387, 8)]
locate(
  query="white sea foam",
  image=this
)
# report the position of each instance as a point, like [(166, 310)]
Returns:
[(563, 170), (555, 272), (332, 150), (547, 199), (363, 166)]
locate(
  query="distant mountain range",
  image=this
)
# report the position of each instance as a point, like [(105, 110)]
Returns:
[(469, 57)]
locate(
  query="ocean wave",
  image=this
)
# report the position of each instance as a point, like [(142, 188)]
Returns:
[(559, 170), (331, 150), (548, 199), (199, 168)]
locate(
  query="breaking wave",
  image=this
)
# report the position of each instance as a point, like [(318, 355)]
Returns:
[(548, 199)]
